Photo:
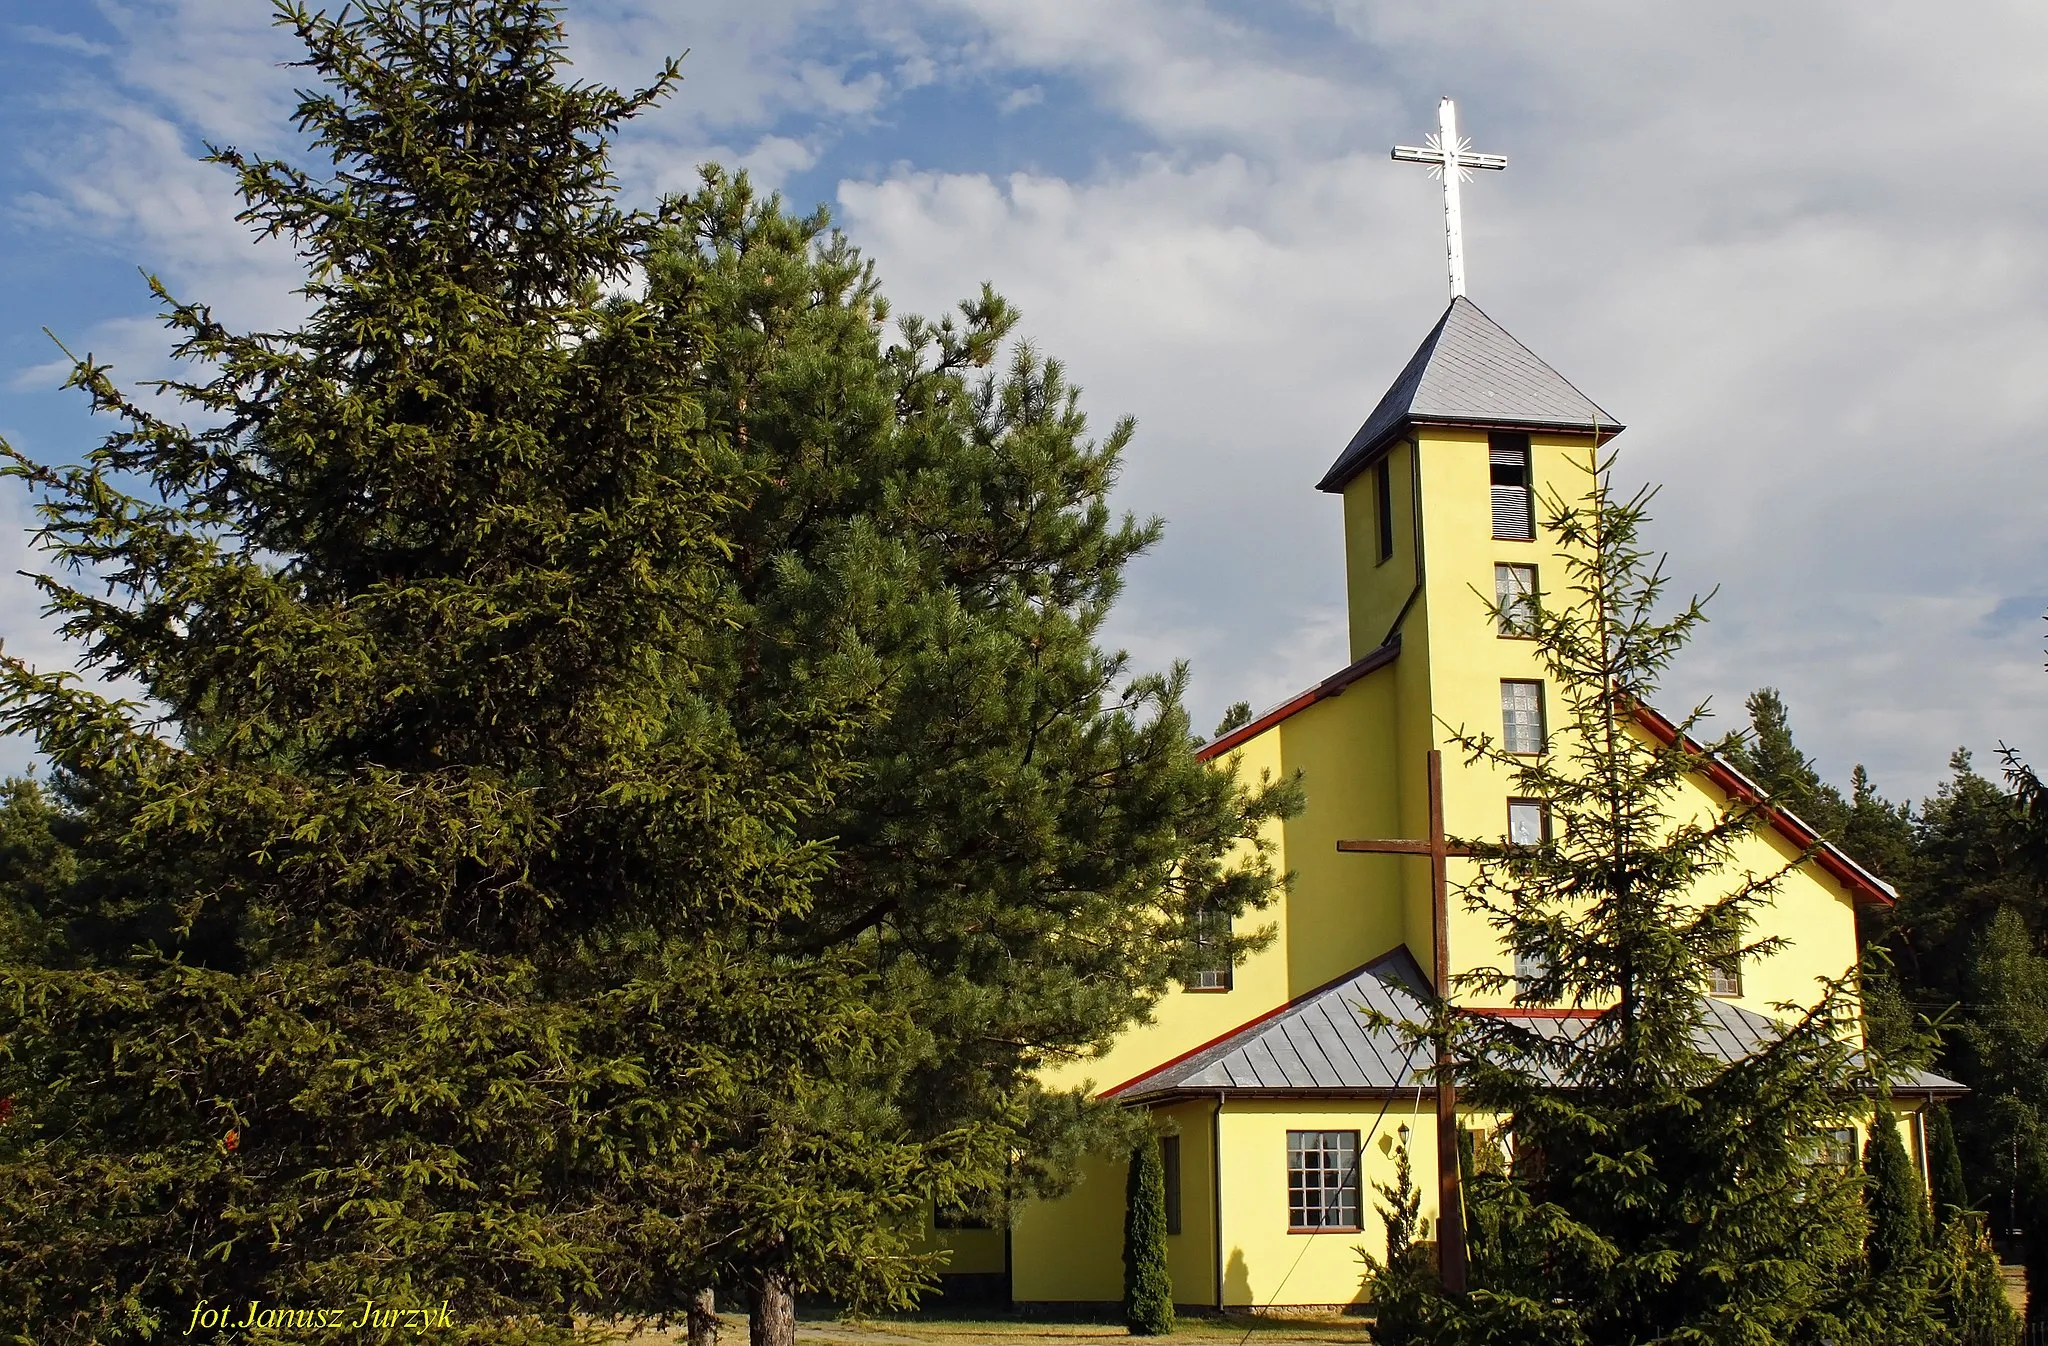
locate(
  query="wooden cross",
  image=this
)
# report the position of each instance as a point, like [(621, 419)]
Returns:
[(1450, 1238)]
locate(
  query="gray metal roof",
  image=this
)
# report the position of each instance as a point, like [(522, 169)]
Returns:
[(1345, 1038), (1320, 1042), (1469, 371)]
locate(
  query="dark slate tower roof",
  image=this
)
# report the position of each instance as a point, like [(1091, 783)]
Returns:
[(1469, 371)]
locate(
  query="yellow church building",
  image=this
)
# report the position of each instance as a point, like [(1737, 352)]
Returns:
[(1280, 1101)]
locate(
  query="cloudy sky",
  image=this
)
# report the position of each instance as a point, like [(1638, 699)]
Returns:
[(1798, 248)]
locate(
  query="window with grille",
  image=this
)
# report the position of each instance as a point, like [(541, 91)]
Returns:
[(1529, 969), (1322, 1180), (1212, 956), (1521, 716), (1383, 500), (1725, 978), (1514, 506), (1169, 1163), (1514, 593), (1837, 1149)]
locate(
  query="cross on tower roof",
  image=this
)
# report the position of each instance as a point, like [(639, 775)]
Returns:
[(1450, 158)]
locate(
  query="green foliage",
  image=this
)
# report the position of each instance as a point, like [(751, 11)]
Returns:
[(1656, 1193), (1148, 1287), (424, 939), (1945, 1163), (1401, 1288), (1021, 858), (1768, 756), (1893, 1198), (1970, 1293)]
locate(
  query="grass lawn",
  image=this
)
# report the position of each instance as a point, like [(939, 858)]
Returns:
[(942, 1328)]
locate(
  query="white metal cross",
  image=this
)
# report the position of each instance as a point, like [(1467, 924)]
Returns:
[(1451, 158)]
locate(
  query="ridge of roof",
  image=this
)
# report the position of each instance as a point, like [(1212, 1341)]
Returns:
[(1469, 371)]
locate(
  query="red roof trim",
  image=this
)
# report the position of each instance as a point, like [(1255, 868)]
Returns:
[(1333, 685), (1275, 1012), (1538, 1012), (1863, 886)]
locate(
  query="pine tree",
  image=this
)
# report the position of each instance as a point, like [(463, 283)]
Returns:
[(1023, 857), (1658, 1194), (1148, 1287), (425, 939)]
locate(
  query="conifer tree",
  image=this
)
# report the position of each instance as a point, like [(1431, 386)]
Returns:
[(1769, 757), (1148, 1286), (1022, 860), (1970, 1290), (1897, 1206), (425, 939), (1658, 1192), (1400, 1287), (1951, 1194)]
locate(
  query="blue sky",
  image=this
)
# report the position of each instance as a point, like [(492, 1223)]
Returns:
[(1799, 249)]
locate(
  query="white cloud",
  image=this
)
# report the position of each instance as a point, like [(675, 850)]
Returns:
[(1798, 248)]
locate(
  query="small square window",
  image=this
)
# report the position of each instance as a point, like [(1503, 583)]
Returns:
[(1212, 958), (1322, 1180), (1725, 978), (1514, 593), (1528, 822), (1837, 1149), (1514, 506), (1521, 716)]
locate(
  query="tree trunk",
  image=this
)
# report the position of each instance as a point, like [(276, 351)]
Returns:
[(772, 1320), (702, 1317)]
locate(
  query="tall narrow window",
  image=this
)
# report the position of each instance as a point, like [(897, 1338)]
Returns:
[(1521, 716), (1514, 593), (1514, 512), (1529, 968), (1383, 504), (1211, 971), (1169, 1163), (1322, 1180)]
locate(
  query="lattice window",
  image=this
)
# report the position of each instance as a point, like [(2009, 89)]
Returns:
[(1212, 955), (1521, 716), (1514, 593), (1725, 978), (1322, 1179)]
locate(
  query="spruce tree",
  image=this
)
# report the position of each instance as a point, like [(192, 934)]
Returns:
[(426, 935), (1658, 1193), (1970, 1290), (1768, 756), (1148, 1286)]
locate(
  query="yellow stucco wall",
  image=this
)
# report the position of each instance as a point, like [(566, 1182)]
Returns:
[(1266, 1264)]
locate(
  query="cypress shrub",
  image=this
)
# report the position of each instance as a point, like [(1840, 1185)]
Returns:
[(1148, 1288), (1945, 1163), (1898, 1211)]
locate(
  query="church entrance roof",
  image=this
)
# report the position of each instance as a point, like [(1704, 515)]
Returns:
[(1469, 371)]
